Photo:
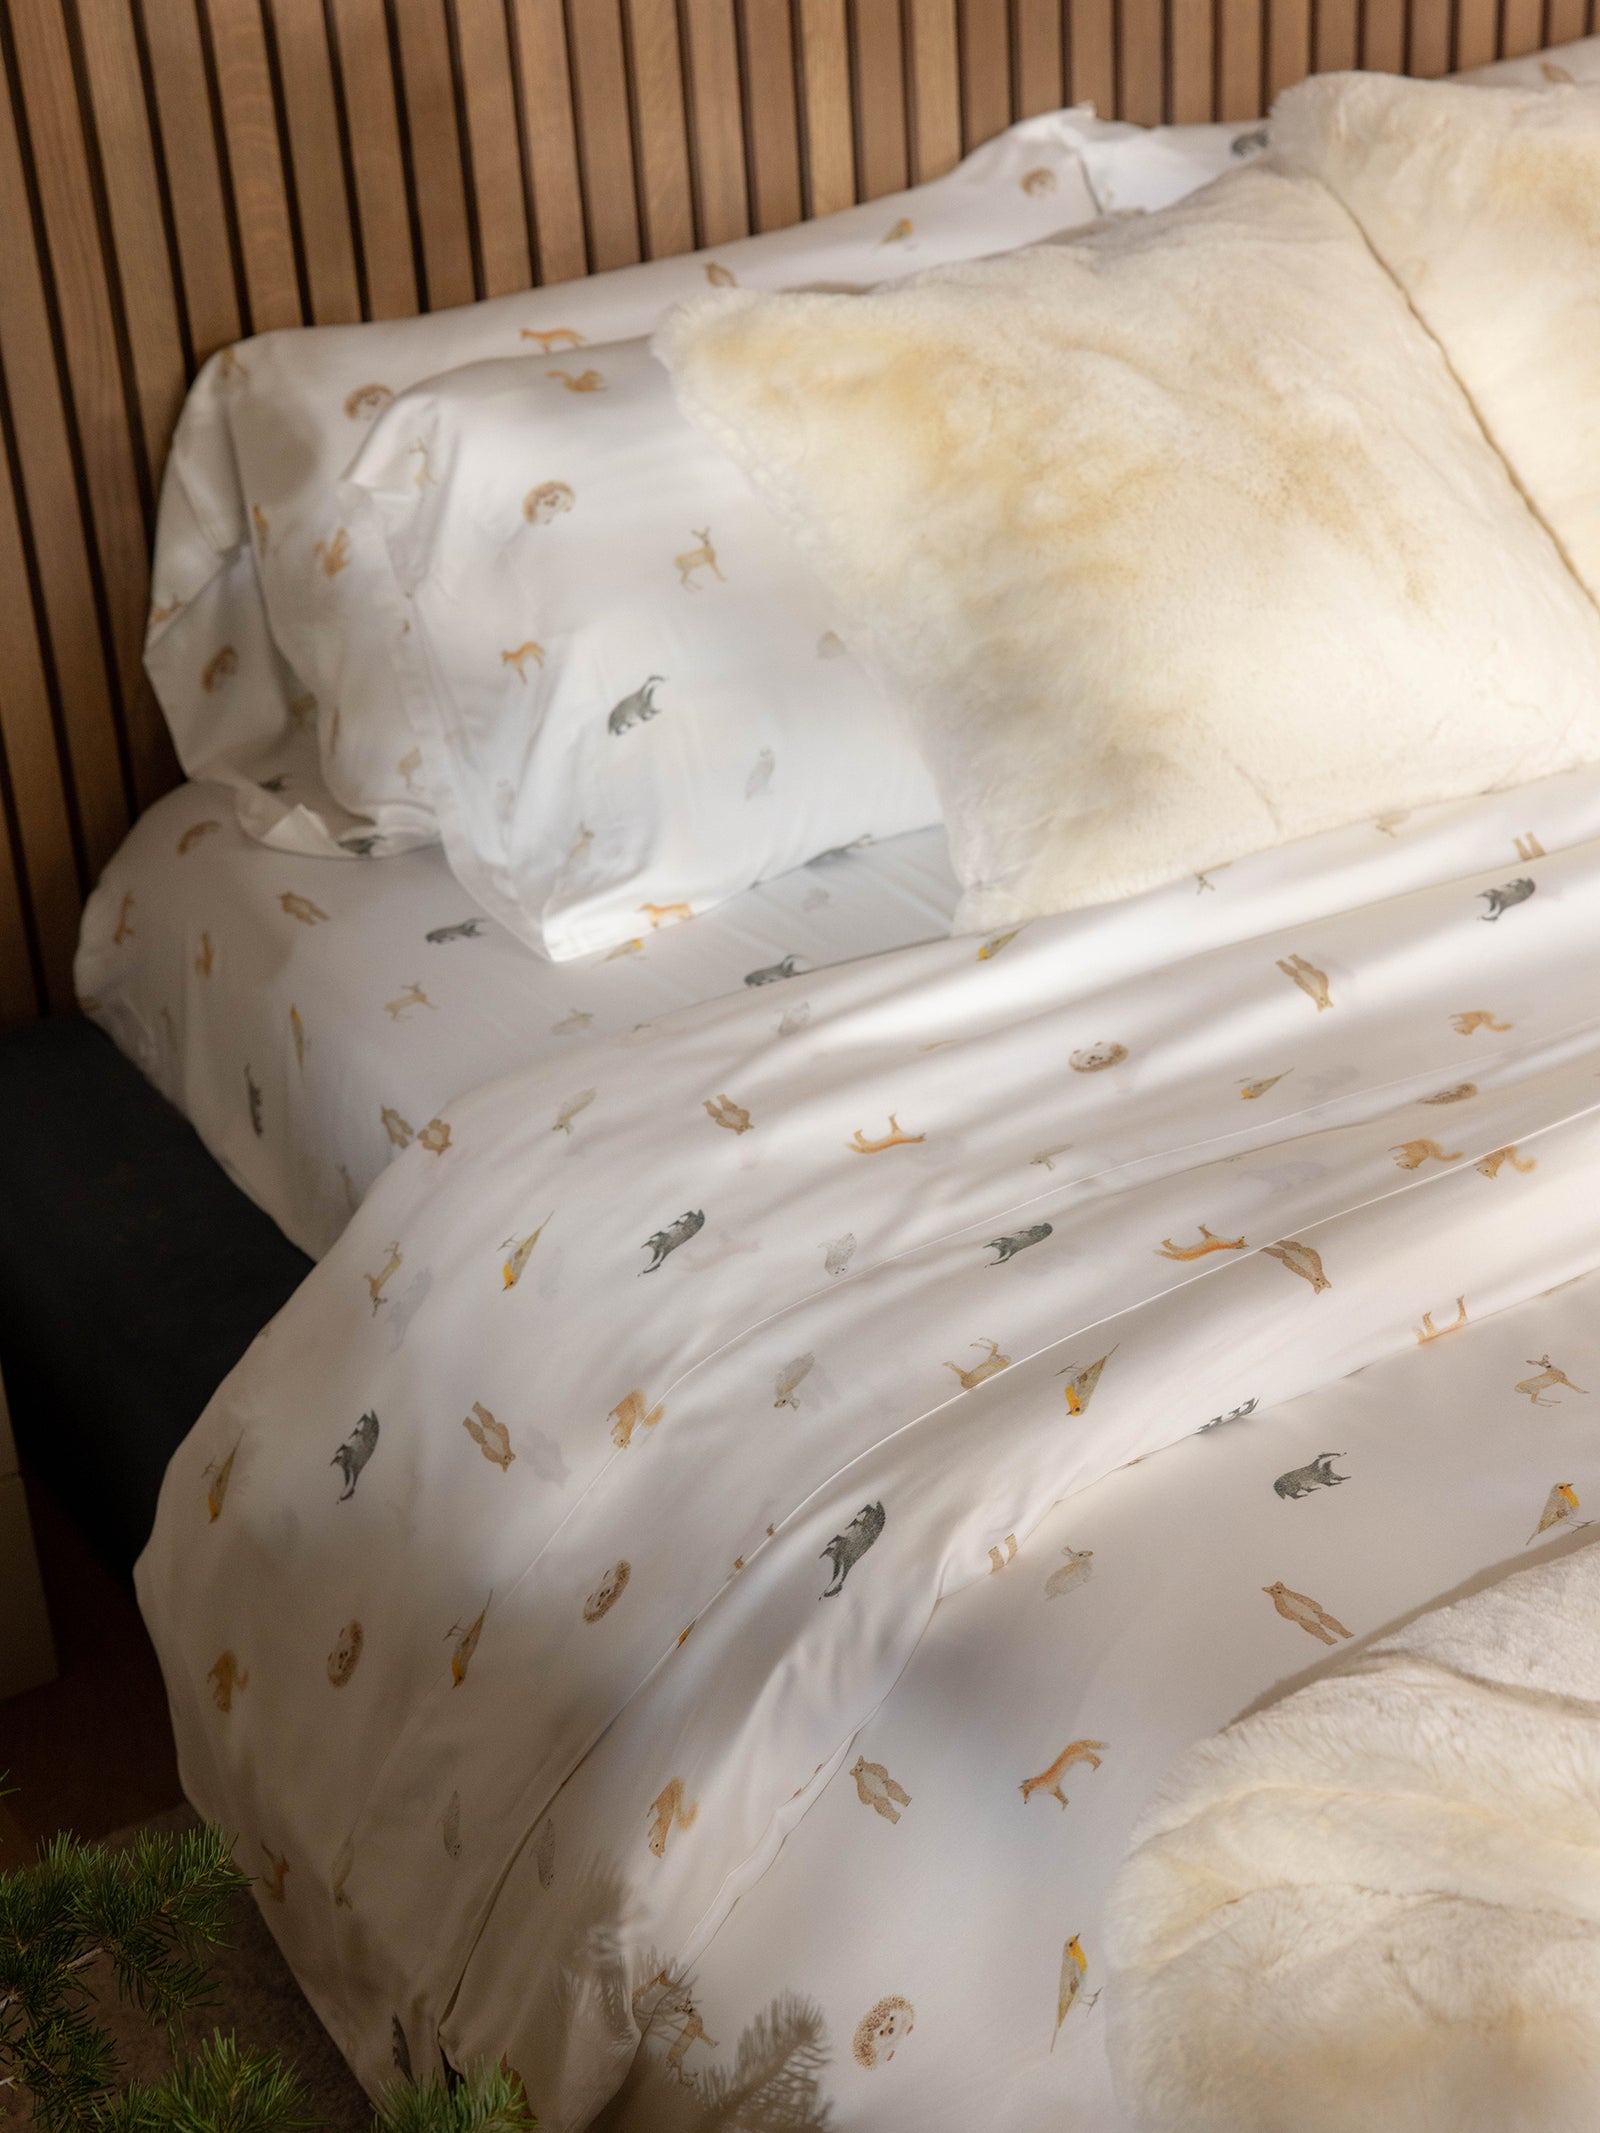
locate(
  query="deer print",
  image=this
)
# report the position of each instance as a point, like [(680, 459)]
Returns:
[(525, 651), (192, 836), (218, 667), (272, 1882), (555, 337), (1311, 981), (630, 1413), (586, 381), (413, 996), (668, 1811), (376, 1283), (999, 1561), (124, 923), (1492, 1164), (226, 1677), (702, 558), (1529, 847), (894, 1138), (202, 961), (221, 1475), (1548, 1377), (1431, 1332), (301, 908), (333, 554), (1411, 1155), (1208, 1243), (991, 1366), (666, 914), (1076, 1751), (692, 2032), (1477, 1018)]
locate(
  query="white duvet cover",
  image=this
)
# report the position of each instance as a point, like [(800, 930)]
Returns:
[(674, 1567)]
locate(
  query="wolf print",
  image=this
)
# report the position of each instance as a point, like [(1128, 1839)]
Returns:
[(1005, 1248), (633, 710), (528, 649), (1302, 1259), (491, 1437), (193, 834), (696, 559), (877, 1790), (252, 1090), (885, 2027), (608, 1592), (1311, 981), (1411, 1155), (1095, 1058), (555, 337), (226, 1677), (1430, 1332), (896, 1137), (1076, 1751), (1492, 1163), (1316, 1474), (1081, 1383), (221, 1475), (786, 1385), (1068, 1576), (376, 1283), (1476, 1018), (669, 1811), (301, 908), (547, 502), (1559, 1506), (666, 1241), (466, 1644), (1505, 898), (632, 1412), (991, 1366), (1166, 1249), (346, 1654), (521, 1251), (846, 1549), (1546, 1379), (464, 929), (1234, 1414), (365, 401), (774, 973), (352, 1456), (723, 1111), (1311, 1615)]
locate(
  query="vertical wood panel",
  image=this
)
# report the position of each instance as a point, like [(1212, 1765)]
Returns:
[(1141, 83), (1092, 54), (1288, 43), (255, 162), (827, 122), (1383, 36), (661, 136), (716, 121), (1428, 50), (377, 158), (133, 203), (933, 71), (19, 998), (1521, 27), (1194, 33), (1040, 83), (772, 122), (300, 29), (605, 138), (434, 140), (1339, 35), (487, 92), (880, 97), (985, 70), (1566, 21), (550, 138), (194, 175)]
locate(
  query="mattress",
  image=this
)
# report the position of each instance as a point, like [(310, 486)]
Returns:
[(312, 1019)]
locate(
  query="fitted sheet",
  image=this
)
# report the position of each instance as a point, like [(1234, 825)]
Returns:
[(310, 1019)]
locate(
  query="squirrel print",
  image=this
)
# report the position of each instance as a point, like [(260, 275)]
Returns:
[(1548, 1377), (1411, 1155), (1311, 1616), (1049, 1780), (846, 1549), (632, 1412), (1492, 1164), (877, 1790), (668, 1811)]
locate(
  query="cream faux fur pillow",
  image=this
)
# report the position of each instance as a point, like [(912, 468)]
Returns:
[(1485, 206), (1179, 539)]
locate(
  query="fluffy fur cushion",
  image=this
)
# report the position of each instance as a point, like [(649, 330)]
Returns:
[(1485, 205), (1376, 1904), (1179, 538)]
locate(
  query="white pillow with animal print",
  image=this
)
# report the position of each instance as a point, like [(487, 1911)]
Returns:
[(628, 697)]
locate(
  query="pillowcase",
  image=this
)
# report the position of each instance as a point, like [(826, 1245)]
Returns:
[(630, 702), (1179, 538), (250, 509), (1485, 206)]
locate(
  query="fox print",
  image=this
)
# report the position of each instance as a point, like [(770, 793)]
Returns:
[(668, 1811), (1049, 1780), (846, 1549), (632, 1412)]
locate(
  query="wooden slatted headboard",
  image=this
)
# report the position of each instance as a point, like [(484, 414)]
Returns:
[(176, 173)]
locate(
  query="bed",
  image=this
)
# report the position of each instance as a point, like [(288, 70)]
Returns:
[(800, 1418)]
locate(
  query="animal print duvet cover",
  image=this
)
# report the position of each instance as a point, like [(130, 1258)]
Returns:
[(732, 1659)]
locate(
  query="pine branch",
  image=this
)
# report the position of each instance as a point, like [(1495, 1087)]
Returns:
[(490, 2099), (221, 2089)]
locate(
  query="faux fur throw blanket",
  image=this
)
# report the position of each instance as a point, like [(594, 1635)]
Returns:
[(1377, 1903)]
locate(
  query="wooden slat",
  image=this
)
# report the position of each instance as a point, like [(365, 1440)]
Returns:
[(1566, 21), (985, 70), (487, 92), (716, 121), (1141, 70), (1339, 35), (255, 162), (1091, 54), (301, 32), (933, 73), (1038, 57), (1428, 49), (1288, 44), (97, 390), (667, 198), (33, 768), (605, 136), (827, 122), (377, 158), (549, 137), (879, 92), (1521, 27), (138, 231), (19, 996), (194, 175), (772, 122), (1383, 35), (1194, 32), (439, 184)]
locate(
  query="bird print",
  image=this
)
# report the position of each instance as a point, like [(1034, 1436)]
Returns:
[(1074, 1969), (996, 941), (1250, 1090), (1311, 1616), (221, 1475), (1081, 1383), (466, 1645), (521, 1251), (1559, 1506)]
